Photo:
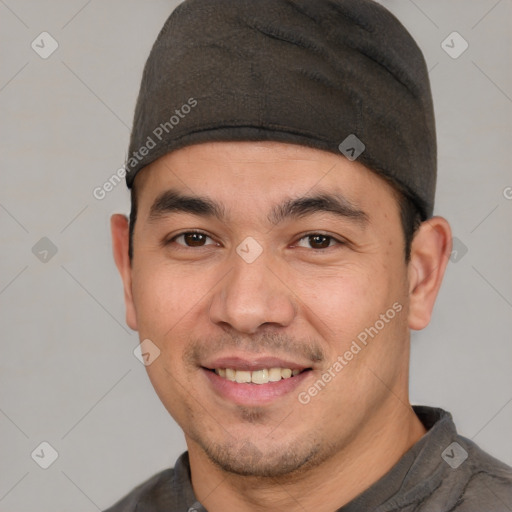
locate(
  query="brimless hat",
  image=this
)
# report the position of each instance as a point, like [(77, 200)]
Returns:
[(344, 76)]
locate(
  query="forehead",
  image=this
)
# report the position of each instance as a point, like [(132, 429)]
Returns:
[(260, 173)]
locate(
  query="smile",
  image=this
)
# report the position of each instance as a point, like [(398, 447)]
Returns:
[(262, 376)]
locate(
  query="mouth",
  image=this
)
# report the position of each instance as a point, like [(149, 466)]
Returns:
[(254, 382)]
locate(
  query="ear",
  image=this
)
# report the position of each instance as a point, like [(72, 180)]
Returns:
[(119, 226), (430, 251)]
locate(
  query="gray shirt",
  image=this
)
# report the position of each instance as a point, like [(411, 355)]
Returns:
[(442, 472)]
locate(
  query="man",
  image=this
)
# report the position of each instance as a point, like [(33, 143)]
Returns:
[(281, 246)]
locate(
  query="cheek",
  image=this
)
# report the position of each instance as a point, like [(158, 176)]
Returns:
[(343, 303), (172, 304), (167, 303), (337, 298), (165, 297)]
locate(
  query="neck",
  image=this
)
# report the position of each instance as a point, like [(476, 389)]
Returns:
[(375, 450)]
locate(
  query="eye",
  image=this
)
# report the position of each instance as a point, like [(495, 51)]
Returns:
[(192, 239), (317, 241)]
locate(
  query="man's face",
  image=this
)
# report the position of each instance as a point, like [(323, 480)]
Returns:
[(262, 258)]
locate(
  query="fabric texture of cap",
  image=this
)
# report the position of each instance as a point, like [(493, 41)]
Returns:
[(343, 76)]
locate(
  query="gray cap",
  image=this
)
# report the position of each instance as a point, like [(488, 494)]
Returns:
[(344, 76)]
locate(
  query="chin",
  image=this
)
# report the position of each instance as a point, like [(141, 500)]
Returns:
[(246, 458)]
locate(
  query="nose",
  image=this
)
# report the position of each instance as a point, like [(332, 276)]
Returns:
[(252, 296)]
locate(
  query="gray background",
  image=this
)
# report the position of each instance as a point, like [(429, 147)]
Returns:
[(68, 374)]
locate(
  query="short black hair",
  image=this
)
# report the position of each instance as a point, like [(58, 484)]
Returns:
[(410, 217), (133, 218)]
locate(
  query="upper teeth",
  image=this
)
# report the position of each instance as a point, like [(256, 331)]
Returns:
[(257, 376)]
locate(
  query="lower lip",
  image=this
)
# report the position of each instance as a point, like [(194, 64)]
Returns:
[(253, 394)]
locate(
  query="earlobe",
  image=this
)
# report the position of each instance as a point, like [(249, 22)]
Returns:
[(430, 252), (119, 225)]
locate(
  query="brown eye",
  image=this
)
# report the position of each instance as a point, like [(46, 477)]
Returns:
[(192, 239), (318, 241)]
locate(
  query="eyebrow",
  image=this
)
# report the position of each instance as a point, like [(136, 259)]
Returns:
[(336, 204), (172, 201)]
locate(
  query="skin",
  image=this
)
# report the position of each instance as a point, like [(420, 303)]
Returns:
[(300, 300)]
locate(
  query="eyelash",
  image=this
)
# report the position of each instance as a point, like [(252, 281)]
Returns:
[(304, 236)]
